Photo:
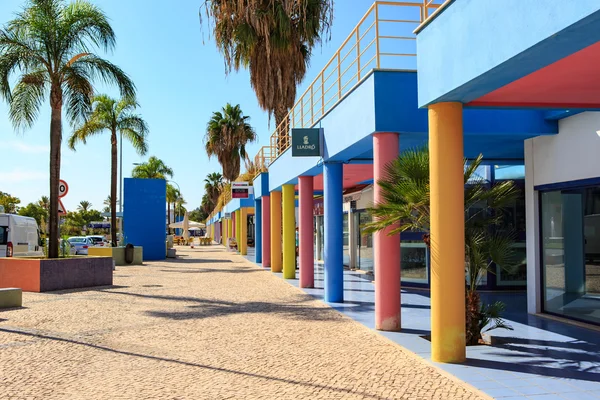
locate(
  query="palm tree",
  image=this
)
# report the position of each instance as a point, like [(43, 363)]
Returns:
[(406, 206), (274, 40), (213, 185), (50, 44), (154, 168), (172, 195), (227, 134), (44, 202), (84, 206), (113, 116)]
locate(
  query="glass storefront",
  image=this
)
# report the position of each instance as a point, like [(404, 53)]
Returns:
[(319, 237), (414, 258), (570, 231), (365, 258), (346, 239)]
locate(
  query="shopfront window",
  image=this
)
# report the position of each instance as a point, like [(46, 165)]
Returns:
[(414, 261), (366, 256), (570, 228), (346, 239)]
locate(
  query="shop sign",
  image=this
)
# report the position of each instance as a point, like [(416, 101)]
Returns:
[(227, 215), (306, 142), (240, 190)]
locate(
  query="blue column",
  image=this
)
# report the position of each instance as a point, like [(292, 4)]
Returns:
[(258, 231), (333, 208)]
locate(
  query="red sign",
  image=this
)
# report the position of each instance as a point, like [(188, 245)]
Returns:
[(240, 190), (63, 188), (61, 208)]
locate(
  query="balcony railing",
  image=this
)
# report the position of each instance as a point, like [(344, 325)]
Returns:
[(383, 39)]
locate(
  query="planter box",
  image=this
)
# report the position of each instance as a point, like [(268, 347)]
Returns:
[(44, 275), (118, 254)]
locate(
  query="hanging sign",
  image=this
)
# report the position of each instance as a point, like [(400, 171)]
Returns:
[(240, 190), (306, 142)]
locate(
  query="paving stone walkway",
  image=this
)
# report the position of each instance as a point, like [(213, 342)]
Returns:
[(207, 326)]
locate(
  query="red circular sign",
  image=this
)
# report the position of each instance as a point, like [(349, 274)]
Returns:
[(63, 188)]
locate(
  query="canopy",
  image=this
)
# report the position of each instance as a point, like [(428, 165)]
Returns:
[(191, 224)]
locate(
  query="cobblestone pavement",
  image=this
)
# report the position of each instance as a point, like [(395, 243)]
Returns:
[(208, 326)]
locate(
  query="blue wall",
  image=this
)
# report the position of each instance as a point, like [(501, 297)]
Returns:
[(475, 46), (144, 222), (387, 101)]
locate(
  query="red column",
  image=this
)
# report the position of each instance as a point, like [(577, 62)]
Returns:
[(306, 232), (234, 233), (266, 231), (387, 248)]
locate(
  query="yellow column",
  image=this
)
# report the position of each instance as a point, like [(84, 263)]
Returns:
[(447, 233), (276, 257), (289, 231), (224, 233), (244, 231), (230, 227)]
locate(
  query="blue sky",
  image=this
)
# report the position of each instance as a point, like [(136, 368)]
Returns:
[(181, 80)]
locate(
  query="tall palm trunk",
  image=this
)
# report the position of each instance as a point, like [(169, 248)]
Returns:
[(113, 188), (283, 129), (55, 141)]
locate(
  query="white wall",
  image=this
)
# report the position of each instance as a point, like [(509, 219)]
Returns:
[(571, 155)]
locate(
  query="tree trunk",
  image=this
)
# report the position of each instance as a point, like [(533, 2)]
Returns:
[(473, 306), (55, 142), (283, 128), (113, 187)]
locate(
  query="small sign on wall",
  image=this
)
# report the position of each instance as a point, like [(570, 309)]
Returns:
[(240, 190), (227, 215), (306, 142)]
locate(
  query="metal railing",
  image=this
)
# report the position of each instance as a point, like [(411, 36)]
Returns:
[(383, 39)]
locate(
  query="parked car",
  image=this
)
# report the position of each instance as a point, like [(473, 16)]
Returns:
[(81, 244), (99, 241), (64, 247), (19, 236)]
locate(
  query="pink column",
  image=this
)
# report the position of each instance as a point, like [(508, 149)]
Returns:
[(387, 248), (306, 232), (234, 233), (266, 231)]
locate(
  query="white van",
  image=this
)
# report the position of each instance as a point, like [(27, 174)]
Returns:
[(19, 236)]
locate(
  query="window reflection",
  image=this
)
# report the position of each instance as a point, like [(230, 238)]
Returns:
[(571, 252)]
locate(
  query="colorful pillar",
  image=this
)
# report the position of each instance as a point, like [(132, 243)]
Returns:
[(446, 170), (238, 230), (266, 231), (333, 174), (387, 248), (233, 225), (306, 232), (276, 255), (258, 231), (289, 231), (243, 231), (225, 223)]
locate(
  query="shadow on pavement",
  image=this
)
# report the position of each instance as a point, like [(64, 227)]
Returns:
[(191, 364), (205, 308)]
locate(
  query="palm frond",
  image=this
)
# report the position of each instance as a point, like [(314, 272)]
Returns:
[(27, 99), (99, 68)]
